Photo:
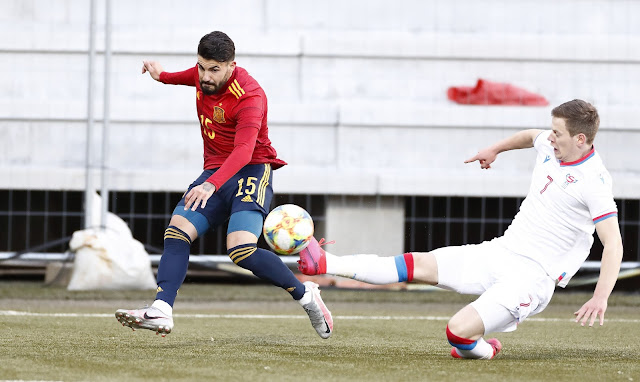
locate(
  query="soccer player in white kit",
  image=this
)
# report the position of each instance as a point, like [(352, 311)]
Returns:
[(516, 274)]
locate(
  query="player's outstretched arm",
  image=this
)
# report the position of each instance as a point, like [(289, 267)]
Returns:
[(153, 67), (609, 234), (520, 140)]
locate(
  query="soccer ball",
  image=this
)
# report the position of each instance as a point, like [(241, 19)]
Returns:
[(288, 229)]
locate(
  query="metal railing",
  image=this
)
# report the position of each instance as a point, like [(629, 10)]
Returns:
[(31, 219)]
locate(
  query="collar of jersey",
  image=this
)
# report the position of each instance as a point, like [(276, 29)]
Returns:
[(581, 160), (230, 80)]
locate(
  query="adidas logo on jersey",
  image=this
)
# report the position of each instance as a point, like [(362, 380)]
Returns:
[(247, 198)]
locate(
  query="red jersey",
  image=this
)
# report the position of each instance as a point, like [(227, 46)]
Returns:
[(233, 123)]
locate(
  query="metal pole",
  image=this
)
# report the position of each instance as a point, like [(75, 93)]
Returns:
[(104, 190), (89, 188)]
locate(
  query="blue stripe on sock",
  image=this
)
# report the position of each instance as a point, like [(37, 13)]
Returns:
[(464, 346), (401, 267)]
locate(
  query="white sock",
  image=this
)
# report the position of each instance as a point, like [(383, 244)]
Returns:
[(482, 350), (163, 307), (306, 297), (371, 269)]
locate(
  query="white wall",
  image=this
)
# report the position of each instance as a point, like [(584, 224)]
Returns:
[(357, 89)]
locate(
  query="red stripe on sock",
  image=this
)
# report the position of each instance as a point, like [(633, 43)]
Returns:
[(458, 340), (408, 260)]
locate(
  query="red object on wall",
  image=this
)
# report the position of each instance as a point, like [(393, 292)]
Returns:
[(494, 93)]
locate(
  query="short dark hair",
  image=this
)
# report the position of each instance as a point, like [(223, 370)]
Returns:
[(580, 117), (217, 46)]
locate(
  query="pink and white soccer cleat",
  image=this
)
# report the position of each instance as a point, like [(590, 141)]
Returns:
[(496, 345), (313, 260), (319, 314)]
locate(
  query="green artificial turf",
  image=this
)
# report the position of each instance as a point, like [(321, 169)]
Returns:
[(256, 333)]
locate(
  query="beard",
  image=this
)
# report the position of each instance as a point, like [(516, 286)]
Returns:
[(209, 88)]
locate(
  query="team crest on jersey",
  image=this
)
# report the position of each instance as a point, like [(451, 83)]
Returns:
[(568, 179), (218, 114)]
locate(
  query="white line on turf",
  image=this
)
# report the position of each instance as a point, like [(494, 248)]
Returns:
[(285, 316)]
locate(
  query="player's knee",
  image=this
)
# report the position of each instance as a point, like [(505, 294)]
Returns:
[(193, 223), (453, 337), (455, 328), (467, 323), (237, 238), (425, 267)]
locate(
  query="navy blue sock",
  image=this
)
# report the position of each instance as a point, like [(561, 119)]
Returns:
[(268, 266), (173, 264)]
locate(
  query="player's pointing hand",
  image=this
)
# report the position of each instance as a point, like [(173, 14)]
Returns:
[(485, 157), (154, 68)]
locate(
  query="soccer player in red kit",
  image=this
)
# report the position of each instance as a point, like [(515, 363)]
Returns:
[(236, 185)]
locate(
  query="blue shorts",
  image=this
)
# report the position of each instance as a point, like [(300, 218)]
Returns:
[(248, 190)]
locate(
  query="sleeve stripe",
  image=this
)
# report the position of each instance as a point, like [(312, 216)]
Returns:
[(605, 216), (233, 91), (235, 88), (240, 89)]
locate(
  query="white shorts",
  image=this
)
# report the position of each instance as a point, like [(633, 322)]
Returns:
[(511, 287)]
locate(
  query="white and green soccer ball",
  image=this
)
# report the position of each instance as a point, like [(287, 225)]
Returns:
[(288, 229)]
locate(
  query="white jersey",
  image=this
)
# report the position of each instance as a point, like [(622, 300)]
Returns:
[(556, 221)]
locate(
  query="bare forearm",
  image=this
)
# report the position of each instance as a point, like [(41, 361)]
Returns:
[(520, 140), (609, 269)]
